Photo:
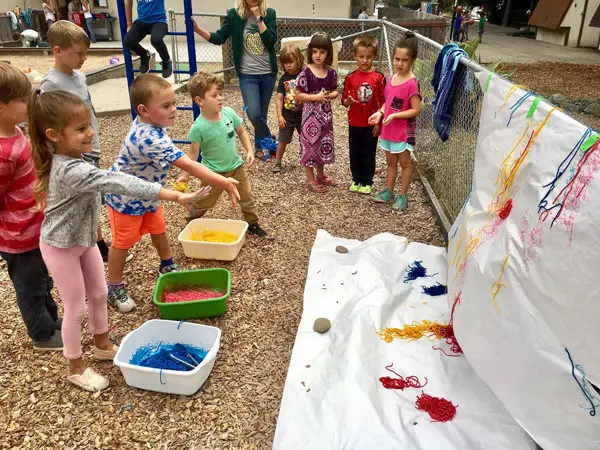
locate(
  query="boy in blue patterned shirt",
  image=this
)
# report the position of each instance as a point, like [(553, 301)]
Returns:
[(148, 153)]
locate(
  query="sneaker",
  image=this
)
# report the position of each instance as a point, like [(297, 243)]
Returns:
[(55, 343), (167, 68), (120, 299), (355, 187), (128, 258), (167, 269), (145, 62), (277, 167), (365, 189), (385, 196), (401, 203), (257, 230)]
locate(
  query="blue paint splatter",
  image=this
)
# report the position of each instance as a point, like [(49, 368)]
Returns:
[(584, 385), (435, 290), (416, 270), (562, 168), (157, 356)]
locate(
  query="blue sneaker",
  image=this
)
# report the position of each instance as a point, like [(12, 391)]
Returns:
[(385, 196), (401, 203)]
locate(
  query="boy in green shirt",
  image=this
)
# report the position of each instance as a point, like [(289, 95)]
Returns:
[(214, 131)]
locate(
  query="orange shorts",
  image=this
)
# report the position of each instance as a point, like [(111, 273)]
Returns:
[(127, 230)]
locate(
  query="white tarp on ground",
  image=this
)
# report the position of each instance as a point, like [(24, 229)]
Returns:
[(338, 402), (525, 258)]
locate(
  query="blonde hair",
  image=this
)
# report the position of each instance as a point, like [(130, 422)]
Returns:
[(13, 83), (290, 53), (144, 86), (65, 34), (244, 12), (202, 82), (367, 42), (54, 110)]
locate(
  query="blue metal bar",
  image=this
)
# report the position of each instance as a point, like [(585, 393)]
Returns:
[(176, 33), (160, 71), (185, 108), (191, 45), (178, 141), (126, 52)]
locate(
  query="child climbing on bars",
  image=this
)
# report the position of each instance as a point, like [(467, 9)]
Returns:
[(316, 86), (151, 20), (399, 114), (69, 191), (363, 95), (148, 153), (289, 112), (214, 131)]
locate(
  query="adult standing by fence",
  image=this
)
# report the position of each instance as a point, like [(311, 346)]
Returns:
[(48, 8), (253, 30)]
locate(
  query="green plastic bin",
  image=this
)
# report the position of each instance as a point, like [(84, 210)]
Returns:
[(218, 279)]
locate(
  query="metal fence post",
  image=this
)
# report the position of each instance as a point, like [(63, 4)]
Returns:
[(191, 46)]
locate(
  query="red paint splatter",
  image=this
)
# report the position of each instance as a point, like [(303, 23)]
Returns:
[(439, 409), (190, 295), (506, 209), (400, 382)]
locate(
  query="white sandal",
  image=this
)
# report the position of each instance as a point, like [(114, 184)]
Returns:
[(89, 380)]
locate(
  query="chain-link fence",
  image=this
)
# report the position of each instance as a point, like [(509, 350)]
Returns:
[(448, 166)]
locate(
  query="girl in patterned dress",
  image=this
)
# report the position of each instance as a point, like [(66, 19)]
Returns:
[(316, 87)]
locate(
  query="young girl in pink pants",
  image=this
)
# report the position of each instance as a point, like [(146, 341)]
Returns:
[(69, 189)]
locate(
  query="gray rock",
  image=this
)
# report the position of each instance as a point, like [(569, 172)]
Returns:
[(558, 99), (322, 325), (593, 108)]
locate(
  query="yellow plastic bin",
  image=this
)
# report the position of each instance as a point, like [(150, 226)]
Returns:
[(213, 250)]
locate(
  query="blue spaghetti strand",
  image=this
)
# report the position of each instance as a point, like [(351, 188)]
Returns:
[(416, 270), (166, 356), (180, 322), (589, 397), (435, 290), (517, 105)]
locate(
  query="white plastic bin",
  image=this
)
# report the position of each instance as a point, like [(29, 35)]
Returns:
[(213, 250), (168, 332)]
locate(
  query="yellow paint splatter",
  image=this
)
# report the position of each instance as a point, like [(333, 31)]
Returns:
[(496, 285)]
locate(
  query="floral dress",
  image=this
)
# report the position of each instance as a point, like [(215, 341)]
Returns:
[(316, 139)]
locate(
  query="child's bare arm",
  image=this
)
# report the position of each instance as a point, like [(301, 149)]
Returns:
[(128, 14), (303, 97), (334, 94), (193, 153), (280, 118), (413, 111), (243, 135)]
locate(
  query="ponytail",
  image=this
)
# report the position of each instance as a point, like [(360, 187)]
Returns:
[(409, 41), (47, 110)]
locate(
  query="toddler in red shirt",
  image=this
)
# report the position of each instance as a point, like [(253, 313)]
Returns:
[(363, 96)]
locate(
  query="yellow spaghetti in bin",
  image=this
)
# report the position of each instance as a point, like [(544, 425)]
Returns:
[(204, 235)]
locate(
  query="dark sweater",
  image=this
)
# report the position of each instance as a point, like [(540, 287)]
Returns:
[(234, 25)]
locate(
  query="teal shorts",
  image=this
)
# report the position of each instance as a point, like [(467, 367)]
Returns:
[(395, 147)]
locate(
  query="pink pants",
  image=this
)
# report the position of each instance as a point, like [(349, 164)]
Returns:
[(78, 272)]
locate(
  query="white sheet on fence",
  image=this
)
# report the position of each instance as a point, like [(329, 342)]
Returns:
[(346, 406), (544, 275)]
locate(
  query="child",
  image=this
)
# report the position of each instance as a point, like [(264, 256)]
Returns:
[(70, 44), (481, 25), (148, 153), (363, 95), (289, 112), (151, 20), (30, 38), (402, 106), (316, 86), (214, 131), (48, 9), (19, 223), (457, 24), (70, 189)]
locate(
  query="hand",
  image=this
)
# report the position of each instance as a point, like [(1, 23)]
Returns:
[(281, 121), (375, 117), (389, 118), (352, 101), (188, 200), (231, 189), (250, 158), (320, 97), (377, 130), (255, 10), (196, 27), (327, 95), (128, 27)]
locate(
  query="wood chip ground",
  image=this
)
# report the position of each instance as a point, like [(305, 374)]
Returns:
[(238, 405)]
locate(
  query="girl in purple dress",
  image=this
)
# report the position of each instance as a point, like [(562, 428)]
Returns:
[(316, 87)]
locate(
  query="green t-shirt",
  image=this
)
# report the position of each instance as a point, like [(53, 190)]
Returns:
[(218, 141)]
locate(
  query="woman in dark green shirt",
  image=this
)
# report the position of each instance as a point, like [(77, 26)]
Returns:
[(253, 30)]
